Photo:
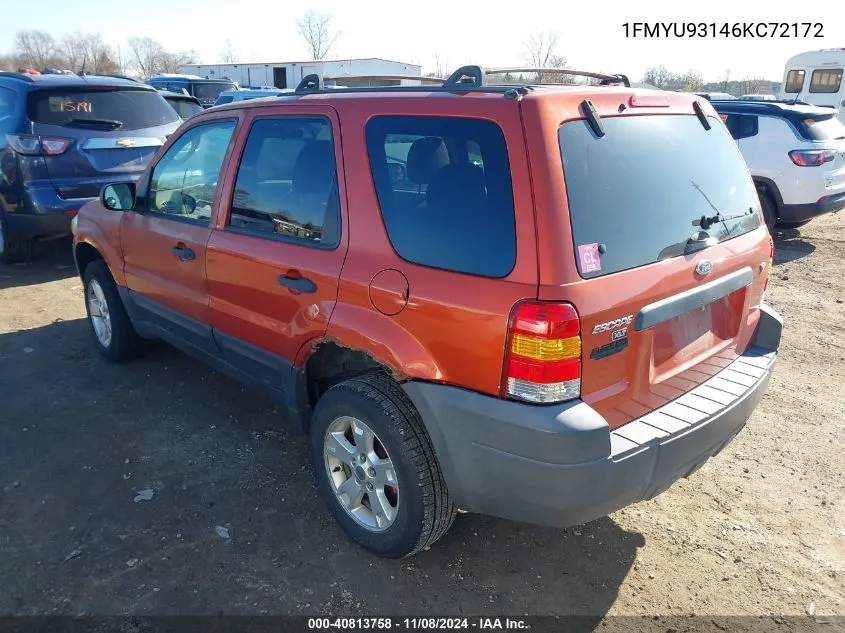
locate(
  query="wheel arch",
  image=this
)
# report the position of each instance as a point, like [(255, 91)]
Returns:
[(767, 186)]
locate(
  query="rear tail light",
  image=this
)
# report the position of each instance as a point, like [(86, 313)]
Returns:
[(812, 157), (30, 145), (543, 359)]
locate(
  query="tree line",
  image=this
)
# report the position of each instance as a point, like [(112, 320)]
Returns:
[(691, 81), (80, 52)]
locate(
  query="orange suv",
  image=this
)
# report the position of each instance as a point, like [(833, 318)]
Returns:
[(539, 302)]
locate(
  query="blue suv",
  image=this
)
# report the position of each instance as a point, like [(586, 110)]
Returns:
[(62, 137), (205, 90)]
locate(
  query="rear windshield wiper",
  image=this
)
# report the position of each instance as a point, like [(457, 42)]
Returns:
[(706, 221), (110, 123)]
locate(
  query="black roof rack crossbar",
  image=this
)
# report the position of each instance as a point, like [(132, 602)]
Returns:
[(475, 75), (310, 83)]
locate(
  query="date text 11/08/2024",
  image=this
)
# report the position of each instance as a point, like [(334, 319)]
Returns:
[(425, 623), (713, 29)]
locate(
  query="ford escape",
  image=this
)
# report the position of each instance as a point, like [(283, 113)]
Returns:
[(536, 302)]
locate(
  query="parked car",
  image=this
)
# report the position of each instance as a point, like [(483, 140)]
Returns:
[(716, 96), (546, 344), (185, 105), (61, 138), (205, 90), (230, 96), (796, 154), (758, 97)]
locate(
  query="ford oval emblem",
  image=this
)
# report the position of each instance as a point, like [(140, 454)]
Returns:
[(704, 267)]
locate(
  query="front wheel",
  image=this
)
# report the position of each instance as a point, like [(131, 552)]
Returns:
[(376, 469)]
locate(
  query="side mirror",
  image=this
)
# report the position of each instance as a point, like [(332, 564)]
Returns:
[(119, 196), (397, 173), (189, 203)]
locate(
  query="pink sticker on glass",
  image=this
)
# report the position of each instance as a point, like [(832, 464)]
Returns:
[(589, 256)]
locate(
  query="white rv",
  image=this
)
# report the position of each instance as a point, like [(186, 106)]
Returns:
[(816, 77)]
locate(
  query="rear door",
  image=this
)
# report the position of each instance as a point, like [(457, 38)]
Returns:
[(667, 293), (275, 259), (100, 135), (164, 240)]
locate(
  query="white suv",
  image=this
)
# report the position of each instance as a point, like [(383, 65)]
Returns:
[(796, 155)]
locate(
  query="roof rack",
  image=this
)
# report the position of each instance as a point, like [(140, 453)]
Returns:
[(476, 75), (465, 79)]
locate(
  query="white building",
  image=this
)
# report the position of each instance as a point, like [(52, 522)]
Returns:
[(379, 72)]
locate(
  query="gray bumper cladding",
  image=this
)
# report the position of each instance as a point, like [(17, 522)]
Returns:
[(561, 465)]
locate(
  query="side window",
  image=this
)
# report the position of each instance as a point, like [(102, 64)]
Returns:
[(287, 182), (742, 125), (827, 81), (184, 181), (7, 102), (444, 188), (794, 81)]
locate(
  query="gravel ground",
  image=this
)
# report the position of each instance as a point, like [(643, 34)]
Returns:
[(161, 487)]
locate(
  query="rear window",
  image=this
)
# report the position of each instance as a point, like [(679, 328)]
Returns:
[(826, 128), (444, 188), (184, 108), (794, 81), (122, 109), (636, 195), (209, 91), (826, 81)]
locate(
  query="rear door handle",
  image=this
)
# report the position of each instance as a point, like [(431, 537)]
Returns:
[(184, 253), (295, 281)]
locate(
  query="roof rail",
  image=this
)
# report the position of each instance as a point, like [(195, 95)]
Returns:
[(431, 80), (476, 75)]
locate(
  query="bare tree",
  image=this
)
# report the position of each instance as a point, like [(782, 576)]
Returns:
[(172, 62), (315, 29), (37, 49), (147, 55), (660, 77), (726, 80), (541, 52), (228, 55), (74, 48), (441, 65), (100, 57)]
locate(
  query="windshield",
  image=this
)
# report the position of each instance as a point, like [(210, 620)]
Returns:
[(653, 187), (185, 108), (207, 91), (829, 128), (111, 109)]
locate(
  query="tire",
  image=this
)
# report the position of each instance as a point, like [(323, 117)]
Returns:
[(424, 510), (123, 342), (769, 213), (12, 251)]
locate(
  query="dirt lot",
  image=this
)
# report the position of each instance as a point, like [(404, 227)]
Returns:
[(759, 530)]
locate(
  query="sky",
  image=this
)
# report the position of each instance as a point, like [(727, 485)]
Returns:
[(591, 34)]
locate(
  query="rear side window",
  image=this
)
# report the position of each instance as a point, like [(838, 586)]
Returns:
[(7, 102), (828, 80), (224, 99), (122, 109), (827, 128), (287, 182), (794, 81), (444, 188), (636, 195), (741, 125)]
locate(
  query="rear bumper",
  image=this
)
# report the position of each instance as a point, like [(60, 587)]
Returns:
[(800, 213), (43, 214), (561, 465)]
